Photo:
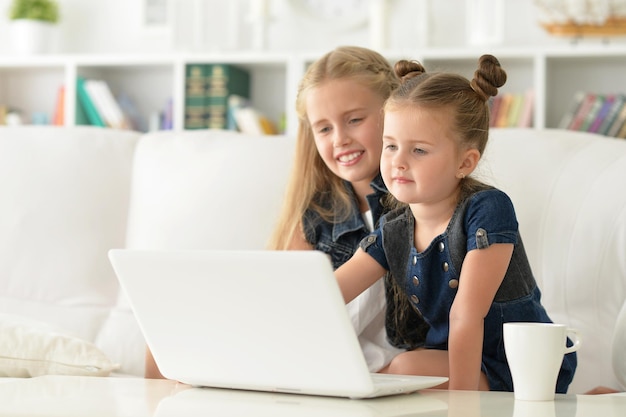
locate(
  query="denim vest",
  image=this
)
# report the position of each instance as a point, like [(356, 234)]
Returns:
[(340, 240)]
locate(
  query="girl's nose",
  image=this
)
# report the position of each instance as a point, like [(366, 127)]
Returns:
[(340, 138), (397, 161)]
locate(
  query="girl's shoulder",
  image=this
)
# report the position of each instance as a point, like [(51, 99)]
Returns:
[(488, 195)]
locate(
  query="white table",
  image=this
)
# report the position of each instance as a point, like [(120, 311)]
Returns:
[(137, 397)]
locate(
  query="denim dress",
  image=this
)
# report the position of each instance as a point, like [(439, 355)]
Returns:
[(430, 279)]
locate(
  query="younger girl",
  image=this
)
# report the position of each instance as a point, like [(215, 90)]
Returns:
[(336, 195), (452, 246)]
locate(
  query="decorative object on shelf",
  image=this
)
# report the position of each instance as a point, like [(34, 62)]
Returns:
[(156, 17), (348, 14), (580, 18), (33, 25), (484, 22), (259, 18)]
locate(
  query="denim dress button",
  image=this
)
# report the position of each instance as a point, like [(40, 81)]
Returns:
[(414, 259), (371, 239), (416, 280), (441, 246), (453, 283), (445, 267), (415, 299)]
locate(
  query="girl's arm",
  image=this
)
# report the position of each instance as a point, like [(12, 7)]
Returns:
[(358, 274), (482, 273)]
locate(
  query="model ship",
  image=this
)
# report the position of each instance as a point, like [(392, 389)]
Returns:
[(578, 18)]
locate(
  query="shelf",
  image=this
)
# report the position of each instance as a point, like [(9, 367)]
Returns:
[(555, 74)]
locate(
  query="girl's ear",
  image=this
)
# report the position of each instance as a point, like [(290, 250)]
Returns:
[(469, 161)]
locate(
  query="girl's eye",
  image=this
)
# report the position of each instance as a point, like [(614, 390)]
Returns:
[(323, 130), (390, 147), (419, 151), (356, 120)]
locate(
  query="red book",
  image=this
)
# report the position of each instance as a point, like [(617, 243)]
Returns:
[(59, 109)]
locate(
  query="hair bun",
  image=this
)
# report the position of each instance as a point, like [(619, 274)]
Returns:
[(488, 77), (406, 70)]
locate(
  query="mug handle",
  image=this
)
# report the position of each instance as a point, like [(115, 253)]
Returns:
[(574, 335)]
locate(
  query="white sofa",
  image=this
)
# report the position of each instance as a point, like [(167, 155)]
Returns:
[(71, 194)]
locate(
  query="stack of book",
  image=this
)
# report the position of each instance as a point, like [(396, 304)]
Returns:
[(597, 113), (96, 105), (207, 91), (512, 110)]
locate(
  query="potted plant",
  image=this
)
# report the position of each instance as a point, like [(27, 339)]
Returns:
[(33, 25)]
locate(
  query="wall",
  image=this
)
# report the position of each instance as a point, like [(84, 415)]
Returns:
[(114, 26)]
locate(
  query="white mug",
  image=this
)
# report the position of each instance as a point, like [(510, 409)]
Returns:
[(535, 353)]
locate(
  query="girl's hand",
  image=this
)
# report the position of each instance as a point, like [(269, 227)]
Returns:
[(358, 274)]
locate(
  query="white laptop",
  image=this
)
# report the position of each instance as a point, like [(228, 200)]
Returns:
[(252, 320)]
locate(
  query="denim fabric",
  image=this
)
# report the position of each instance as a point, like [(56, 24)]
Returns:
[(340, 240), (430, 278)]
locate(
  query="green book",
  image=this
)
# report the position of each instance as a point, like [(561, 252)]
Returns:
[(612, 114), (87, 114), (223, 81), (195, 96)]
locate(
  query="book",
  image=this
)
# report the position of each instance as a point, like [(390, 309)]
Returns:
[(592, 112), (136, 121), (528, 106), (224, 80), (586, 104), (84, 100), (622, 132), (503, 111), (567, 118), (515, 109), (235, 102), (612, 114), (167, 122), (617, 124), (602, 113), (58, 118), (107, 104), (251, 121), (493, 113), (195, 96)]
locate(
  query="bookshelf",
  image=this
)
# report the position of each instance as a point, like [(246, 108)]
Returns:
[(555, 74)]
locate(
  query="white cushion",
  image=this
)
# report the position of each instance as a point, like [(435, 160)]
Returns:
[(207, 189), (29, 348), (566, 189), (64, 204)]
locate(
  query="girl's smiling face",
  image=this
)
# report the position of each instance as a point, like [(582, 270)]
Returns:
[(346, 121), (421, 162)]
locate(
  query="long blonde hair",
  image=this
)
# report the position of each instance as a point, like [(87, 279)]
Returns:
[(310, 177)]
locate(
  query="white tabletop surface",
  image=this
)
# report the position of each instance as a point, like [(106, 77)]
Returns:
[(137, 397)]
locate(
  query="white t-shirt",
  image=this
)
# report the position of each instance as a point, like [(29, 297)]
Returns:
[(367, 312)]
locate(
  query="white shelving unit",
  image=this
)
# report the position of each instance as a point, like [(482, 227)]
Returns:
[(555, 73)]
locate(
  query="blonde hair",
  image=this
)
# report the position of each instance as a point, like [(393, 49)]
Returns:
[(310, 177)]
